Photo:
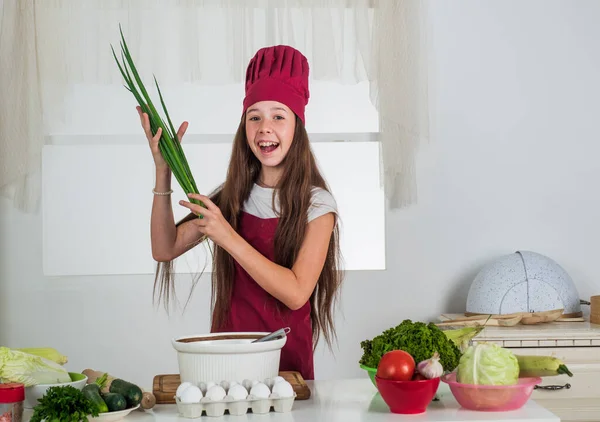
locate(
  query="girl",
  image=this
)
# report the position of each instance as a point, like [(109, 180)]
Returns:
[(273, 221)]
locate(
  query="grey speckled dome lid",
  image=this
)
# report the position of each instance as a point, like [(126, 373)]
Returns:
[(523, 282)]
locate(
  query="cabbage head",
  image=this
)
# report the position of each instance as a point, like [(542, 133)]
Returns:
[(28, 369), (487, 364)]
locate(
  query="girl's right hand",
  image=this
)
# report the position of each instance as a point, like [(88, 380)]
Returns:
[(159, 161)]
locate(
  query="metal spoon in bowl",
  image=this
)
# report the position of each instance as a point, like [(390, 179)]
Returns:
[(275, 335)]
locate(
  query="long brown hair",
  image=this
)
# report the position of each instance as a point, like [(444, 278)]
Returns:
[(300, 175)]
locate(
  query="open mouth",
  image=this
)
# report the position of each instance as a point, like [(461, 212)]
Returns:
[(267, 147)]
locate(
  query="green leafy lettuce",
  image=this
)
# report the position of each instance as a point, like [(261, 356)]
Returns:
[(488, 364), (17, 366), (419, 339)]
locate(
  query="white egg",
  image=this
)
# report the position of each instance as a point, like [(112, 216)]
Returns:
[(269, 382), (260, 390), (237, 392), (225, 384), (210, 384), (232, 383), (182, 387), (192, 394), (278, 379), (283, 389), (254, 383), (247, 384), (216, 393)]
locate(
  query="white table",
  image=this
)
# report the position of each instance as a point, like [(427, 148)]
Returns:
[(356, 400)]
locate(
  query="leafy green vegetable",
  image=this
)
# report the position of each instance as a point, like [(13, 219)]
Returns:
[(63, 404), (169, 144), (417, 338), (488, 364), (28, 369)]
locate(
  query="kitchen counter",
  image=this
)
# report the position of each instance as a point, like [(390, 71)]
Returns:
[(351, 400)]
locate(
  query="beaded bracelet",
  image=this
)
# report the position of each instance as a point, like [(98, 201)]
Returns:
[(162, 193)]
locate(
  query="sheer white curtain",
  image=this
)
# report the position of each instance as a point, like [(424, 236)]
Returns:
[(20, 108), (48, 47)]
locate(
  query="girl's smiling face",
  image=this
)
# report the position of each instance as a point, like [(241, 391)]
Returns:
[(270, 129)]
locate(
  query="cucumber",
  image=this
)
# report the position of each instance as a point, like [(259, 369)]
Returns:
[(115, 401), (92, 393), (131, 392)]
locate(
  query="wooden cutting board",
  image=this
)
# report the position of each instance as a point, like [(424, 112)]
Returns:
[(504, 320), (164, 386)]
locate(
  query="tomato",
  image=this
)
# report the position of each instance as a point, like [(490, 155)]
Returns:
[(396, 365)]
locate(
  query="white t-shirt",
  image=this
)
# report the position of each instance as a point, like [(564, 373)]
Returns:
[(260, 202)]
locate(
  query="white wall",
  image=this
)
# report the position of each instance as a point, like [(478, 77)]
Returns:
[(512, 165)]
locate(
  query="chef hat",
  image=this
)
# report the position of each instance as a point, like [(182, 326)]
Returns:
[(278, 73)]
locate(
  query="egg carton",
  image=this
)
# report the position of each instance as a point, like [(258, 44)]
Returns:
[(237, 406), (234, 407)]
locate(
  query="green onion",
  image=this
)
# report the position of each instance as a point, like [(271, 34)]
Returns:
[(169, 144)]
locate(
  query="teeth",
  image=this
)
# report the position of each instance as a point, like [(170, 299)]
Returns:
[(267, 144)]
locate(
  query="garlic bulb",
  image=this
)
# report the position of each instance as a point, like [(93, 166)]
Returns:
[(431, 368)]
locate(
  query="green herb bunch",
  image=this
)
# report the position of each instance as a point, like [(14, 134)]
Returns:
[(419, 339), (63, 404), (169, 144)]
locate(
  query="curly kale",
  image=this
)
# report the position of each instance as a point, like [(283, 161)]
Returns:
[(417, 338)]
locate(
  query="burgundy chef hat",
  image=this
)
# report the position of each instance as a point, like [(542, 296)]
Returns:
[(278, 73)]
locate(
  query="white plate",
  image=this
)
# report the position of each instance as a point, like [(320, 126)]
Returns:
[(113, 416)]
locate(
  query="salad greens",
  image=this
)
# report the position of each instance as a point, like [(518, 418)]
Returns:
[(419, 339), (28, 369), (488, 364)]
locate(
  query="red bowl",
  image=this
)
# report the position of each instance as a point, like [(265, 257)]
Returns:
[(407, 397)]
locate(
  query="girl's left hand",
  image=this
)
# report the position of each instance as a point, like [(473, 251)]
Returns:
[(213, 224)]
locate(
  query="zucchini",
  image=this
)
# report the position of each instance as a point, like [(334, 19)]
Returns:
[(131, 392), (92, 393), (115, 401), (541, 366)]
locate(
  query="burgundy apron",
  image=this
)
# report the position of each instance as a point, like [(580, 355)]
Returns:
[(253, 309)]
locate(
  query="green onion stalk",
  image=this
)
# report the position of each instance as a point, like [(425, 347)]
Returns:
[(169, 144)]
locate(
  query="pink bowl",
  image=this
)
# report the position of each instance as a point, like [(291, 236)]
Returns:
[(491, 397), (407, 397)]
